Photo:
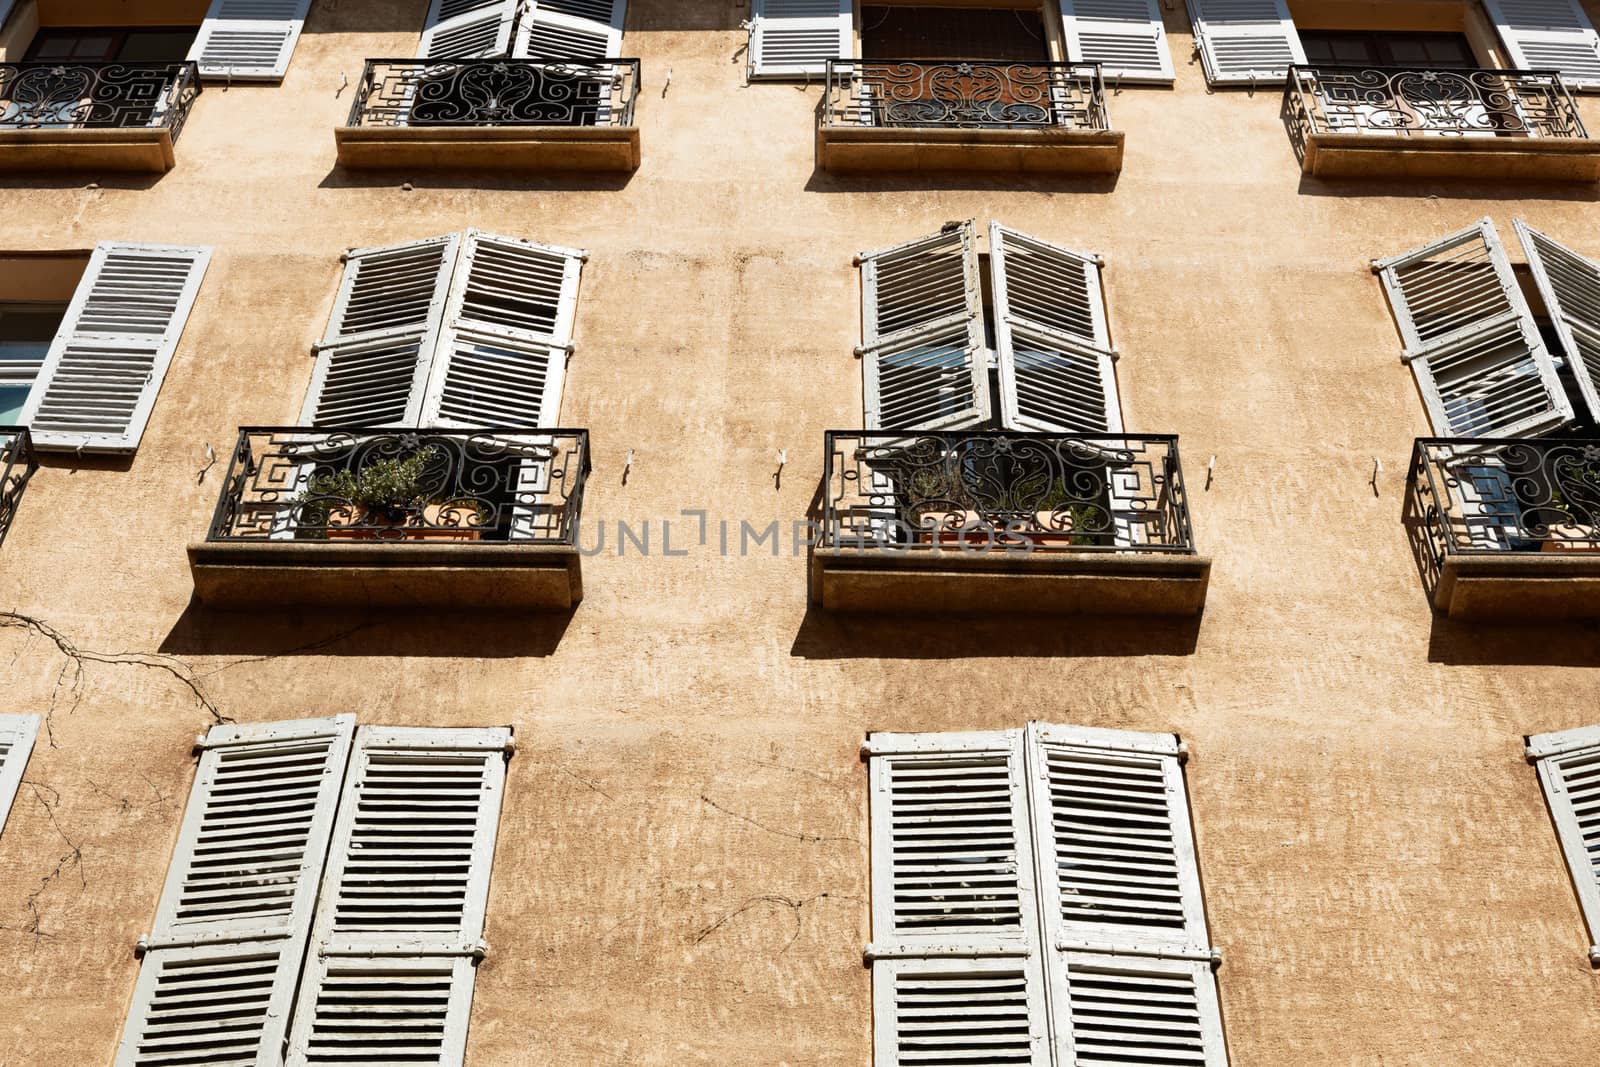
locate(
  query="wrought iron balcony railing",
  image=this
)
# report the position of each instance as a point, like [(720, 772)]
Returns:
[(969, 94), (17, 464), (982, 491), (496, 92), (1482, 496), (512, 486), (89, 96), (1429, 103)]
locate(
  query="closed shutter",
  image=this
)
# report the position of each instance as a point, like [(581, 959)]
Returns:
[(372, 366), (401, 913), (796, 38), (105, 366), (1126, 37), (1570, 285), (1569, 771), (957, 972), (467, 29), (1549, 35), (1471, 340), (1245, 41), (16, 743), (230, 933), (1056, 371), (923, 361), (571, 29), (249, 40), (502, 351)]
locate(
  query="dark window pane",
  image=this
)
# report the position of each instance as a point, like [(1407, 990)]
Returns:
[(952, 33)]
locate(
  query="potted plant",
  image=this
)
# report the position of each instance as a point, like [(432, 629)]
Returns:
[(388, 494)]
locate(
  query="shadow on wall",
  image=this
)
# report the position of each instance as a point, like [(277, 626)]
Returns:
[(1520, 644), (203, 631), (1004, 182), (420, 178), (823, 635)]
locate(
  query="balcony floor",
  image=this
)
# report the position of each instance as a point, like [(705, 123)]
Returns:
[(1486, 158), (136, 149), (855, 149), (519, 148)]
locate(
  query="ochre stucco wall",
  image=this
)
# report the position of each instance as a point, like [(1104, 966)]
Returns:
[(682, 866)]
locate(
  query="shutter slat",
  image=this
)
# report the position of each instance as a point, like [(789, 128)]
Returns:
[(945, 1013), (1549, 35), (1570, 285), (571, 29), (922, 356), (467, 29), (17, 734), (1126, 37), (249, 40), (1471, 339), (1056, 370), (1130, 1011), (796, 38), (98, 383), (1569, 772), (1245, 42)]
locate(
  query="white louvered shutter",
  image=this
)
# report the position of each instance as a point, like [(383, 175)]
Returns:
[(1569, 771), (249, 40), (372, 366), (1056, 371), (219, 972), (1471, 340), (1126, 37), (1244, 42), (401, 913), (571, 29), (1570, 285), (99, 380), (1119, 889), (796, 38), (467, 29), (16, 743), (957, 964), (507, 329), (1549, 35), (923, 361)]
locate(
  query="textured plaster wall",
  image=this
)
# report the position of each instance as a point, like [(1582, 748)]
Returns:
[(682, 868)]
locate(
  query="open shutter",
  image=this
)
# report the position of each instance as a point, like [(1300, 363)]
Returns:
[(923, 360), (571, 29), (219, 971), (956, 960), (502, 352), (467, 29), (1119, 889), (1126, 37), (16, 743), (1245, 42), (1570, 285), (401, 913), (100, 378), (796, 38), (1549, 35), (1569, 771), (372, 365), (1056, 371), (1471, 340), (249, 40)]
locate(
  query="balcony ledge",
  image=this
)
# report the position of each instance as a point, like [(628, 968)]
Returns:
[(1518, 586), (318, 574), (1042, 582), (856, 149), (1487, 158), (140, 149), (520, 148)]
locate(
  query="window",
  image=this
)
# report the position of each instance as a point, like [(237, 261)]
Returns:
[(128, 44), (352, 864), (1255, 41), (249, 40), (1031, 350), (1569, 771), (1036, 900), (16, 744), (906, 32), (93, 385)]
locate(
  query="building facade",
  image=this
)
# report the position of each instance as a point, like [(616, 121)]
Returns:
[(668, 726)]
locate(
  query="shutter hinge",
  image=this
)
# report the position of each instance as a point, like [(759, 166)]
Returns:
[(480, 950), (859, 351), (1098, 260), (510, 748), (1377, 266), (141, 946), (855, 261), (1594, 955), (1183, 751), (199, 744), (1408, 356), (1114, 353)]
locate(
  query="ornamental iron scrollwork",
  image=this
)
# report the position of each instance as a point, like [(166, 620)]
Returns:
[(17, 464), (506, 486), (968, 94), (89, 96), (1004, 491), (496, 92)]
